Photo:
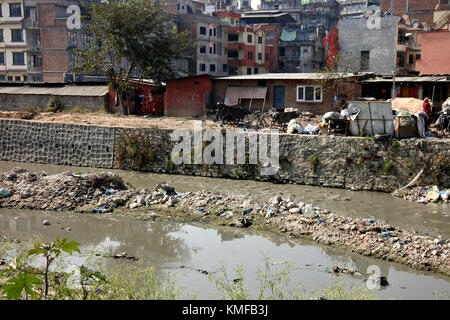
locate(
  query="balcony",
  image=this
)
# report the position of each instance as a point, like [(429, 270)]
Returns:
[(289, 58), (29, 24)]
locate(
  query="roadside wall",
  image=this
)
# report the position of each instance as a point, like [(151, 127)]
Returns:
[(342, 162)]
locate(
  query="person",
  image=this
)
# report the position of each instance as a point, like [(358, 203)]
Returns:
[(427, 109)]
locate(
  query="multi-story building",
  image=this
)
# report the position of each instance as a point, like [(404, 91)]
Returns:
[(356, 8), (13, 56), (245, 46), (301, 49), (387, 48), (209, 55), (422, 10)]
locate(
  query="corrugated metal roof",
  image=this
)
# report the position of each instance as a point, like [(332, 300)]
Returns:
[(92, 91), (288, 76), (412, 79)]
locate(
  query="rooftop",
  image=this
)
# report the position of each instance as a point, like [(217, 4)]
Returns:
[(291, 76)]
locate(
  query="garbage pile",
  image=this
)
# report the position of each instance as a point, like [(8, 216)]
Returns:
[(424, 194), (30, 190)]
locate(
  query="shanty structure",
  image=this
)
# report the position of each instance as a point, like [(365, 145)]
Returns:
[(94, 97), (303, 91)]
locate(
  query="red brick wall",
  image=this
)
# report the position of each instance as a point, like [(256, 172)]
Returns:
[(186, 97), (415, 7), (434, 60), (327, 104)]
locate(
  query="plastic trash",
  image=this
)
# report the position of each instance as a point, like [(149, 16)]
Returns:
[(386, 234), (5, 193), (371, 220), (109, 191)]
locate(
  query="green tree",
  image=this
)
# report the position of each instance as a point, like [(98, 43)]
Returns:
[(131, 38)]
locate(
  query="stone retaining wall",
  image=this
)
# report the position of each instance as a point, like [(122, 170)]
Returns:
[(330, 161)]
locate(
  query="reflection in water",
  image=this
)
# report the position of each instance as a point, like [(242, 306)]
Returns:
[(186, 249), (432, 218)]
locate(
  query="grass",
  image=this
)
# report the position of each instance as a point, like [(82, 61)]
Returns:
[(138, 282)]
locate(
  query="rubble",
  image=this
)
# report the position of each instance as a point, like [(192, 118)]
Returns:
[(423, 194), (106, 193)]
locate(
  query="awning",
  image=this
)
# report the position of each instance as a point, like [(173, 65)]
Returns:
[(234, 94)]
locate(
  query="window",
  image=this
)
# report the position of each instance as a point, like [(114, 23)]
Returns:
[(202, 49), (233, 54), (259, 39), (15, 10), (210, 32), (2, 77), (270, 36), (203, 30), (233, 37), (220, 49), (212, 67), (266, 57), (400, 59), (401, 37), (249, 38), (225, 67), (17, 78), (2, 58), (309, 94), (10, 78), (1, 14), (215, 32), (250, 55), (18, 58), (418, 56), (256, 71), (215, 49), (364, 60), (249, 70), (202, 67), (259, 56), (16, 35), (411, 59)]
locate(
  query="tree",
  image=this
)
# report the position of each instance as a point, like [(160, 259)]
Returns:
[(336, 77), (131, 38)]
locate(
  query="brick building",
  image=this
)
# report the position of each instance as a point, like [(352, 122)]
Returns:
[(285, 90), (422, 10)]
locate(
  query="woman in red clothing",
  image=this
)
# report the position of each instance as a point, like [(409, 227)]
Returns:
[(427, 109)]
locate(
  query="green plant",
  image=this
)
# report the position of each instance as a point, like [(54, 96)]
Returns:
[(387, 168), (395, 144), (313, 162), (54, 105), (136, 151), (27, 280)]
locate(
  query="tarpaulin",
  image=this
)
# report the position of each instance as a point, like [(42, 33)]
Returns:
[(235, 93)]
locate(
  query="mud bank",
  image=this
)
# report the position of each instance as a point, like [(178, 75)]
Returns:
[(107, 193)]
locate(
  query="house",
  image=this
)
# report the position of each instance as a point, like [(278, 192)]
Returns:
[(188, 96), (435, 87), (433, 58), (86, 96), (303, 91)]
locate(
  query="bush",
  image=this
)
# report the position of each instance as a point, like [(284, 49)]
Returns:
[(54, 105)]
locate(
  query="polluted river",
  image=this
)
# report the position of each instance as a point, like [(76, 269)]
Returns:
[(194, 252)]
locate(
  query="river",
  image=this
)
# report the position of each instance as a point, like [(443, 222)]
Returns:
[(184, 250)]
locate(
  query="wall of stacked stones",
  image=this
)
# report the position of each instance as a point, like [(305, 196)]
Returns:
[(329, 161)]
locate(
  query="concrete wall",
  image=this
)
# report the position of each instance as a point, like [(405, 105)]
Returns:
[(342, 162), (434, 60), (355, 36), (14, 102)]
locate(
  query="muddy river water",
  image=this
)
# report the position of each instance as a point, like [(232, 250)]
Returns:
[(184, 250)]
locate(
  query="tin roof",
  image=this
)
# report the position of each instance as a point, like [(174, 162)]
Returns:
[(290, 76), (69, 90), (430, 78)]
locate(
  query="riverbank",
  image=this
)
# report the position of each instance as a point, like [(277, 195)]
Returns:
[(328, 161), (108, 193)]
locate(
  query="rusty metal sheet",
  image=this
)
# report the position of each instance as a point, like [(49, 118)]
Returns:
[(235, 93)]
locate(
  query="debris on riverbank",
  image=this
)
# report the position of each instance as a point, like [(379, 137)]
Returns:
[(106, 192), (424, 194)]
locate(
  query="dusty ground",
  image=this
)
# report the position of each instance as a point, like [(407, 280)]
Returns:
[(131, 121)]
